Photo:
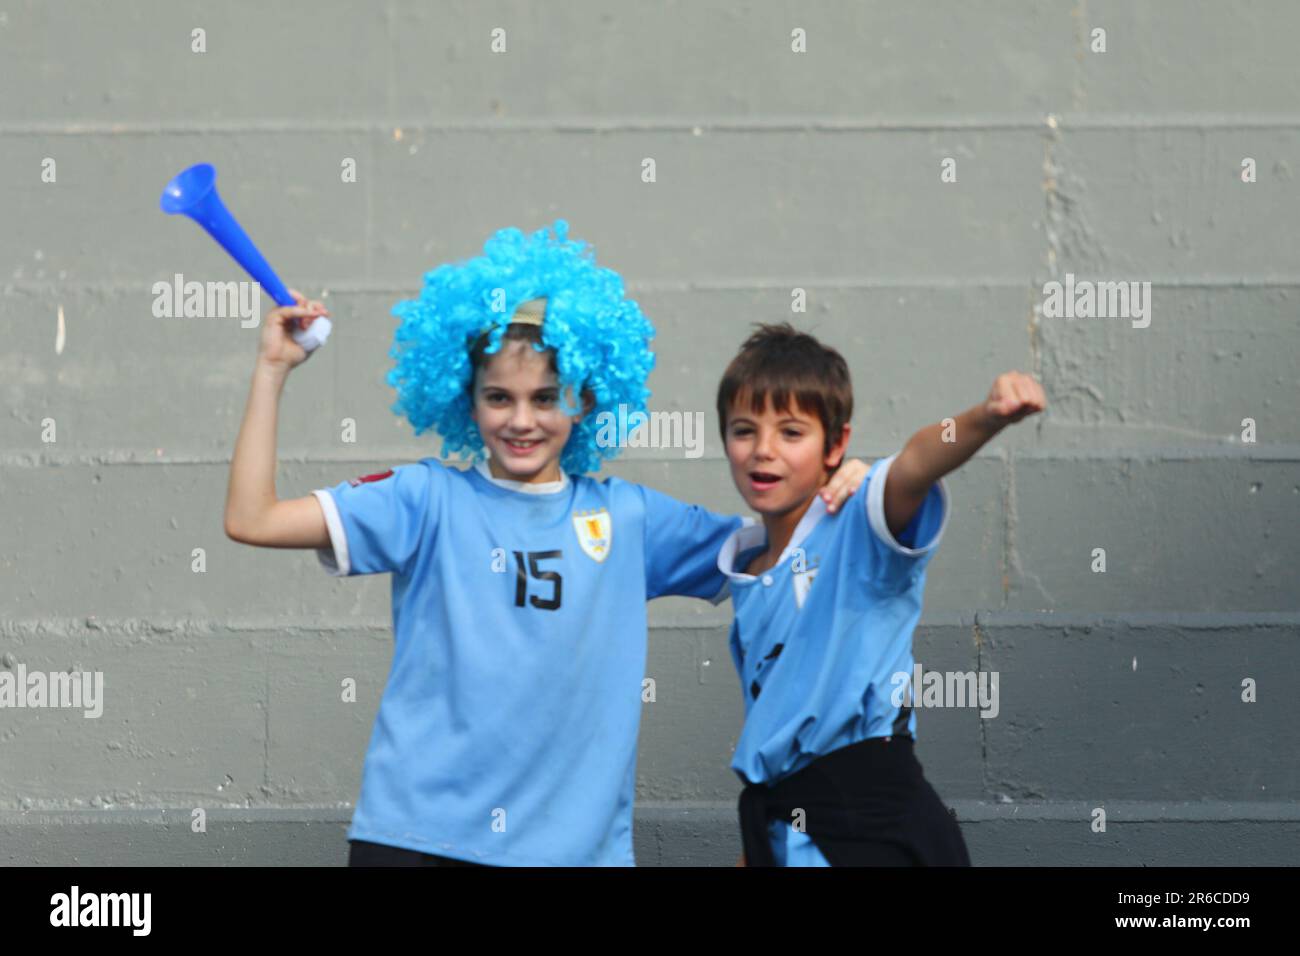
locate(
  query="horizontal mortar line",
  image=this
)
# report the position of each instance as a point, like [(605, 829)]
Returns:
[(923, 283), (1045, 122), (1073, 810), (63, 627), (1122, 811), (42, 816), (1105, 620), (677, 286), (968, 811), (1139, 620), (1224, 450), (173, 626)]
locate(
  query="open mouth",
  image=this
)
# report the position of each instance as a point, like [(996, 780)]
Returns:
[(520, 447), (762, 480)]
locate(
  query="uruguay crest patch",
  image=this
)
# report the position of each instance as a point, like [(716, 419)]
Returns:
[(595, 531)]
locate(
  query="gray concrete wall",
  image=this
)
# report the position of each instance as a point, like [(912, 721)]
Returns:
[(775, 170)]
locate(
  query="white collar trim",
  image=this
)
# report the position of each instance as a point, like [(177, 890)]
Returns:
[(751, 534), (527, 487)]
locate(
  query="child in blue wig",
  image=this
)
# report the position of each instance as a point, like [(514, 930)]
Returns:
[(507, 731), (600, 339)]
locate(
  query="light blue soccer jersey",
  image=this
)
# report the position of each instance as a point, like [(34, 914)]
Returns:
[(507, 731), (817, 639)]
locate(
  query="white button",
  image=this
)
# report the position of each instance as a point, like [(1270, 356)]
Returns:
[(767, 580)]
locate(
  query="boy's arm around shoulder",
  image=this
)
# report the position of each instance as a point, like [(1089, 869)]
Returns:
[(938, 449)]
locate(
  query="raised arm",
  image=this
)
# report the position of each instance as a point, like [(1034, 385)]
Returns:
[(927, 456), (254, 515)]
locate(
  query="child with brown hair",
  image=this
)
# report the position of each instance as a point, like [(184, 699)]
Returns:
[(825, 610)]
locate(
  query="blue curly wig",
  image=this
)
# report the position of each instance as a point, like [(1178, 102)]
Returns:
[(600, 338)]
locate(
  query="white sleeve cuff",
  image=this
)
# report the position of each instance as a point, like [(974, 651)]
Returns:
[(876, 513), (334, 558)]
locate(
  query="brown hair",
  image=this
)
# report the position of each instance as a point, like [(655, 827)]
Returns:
[(515, 332), (518, 332), (780, 362)]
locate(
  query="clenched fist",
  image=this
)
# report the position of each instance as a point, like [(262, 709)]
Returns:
[(1013, 396)]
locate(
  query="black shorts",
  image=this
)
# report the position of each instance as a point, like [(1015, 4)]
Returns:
[(920, 832), (905, 823), (876, 807), (365, 853)]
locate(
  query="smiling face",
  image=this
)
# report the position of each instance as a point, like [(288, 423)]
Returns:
[(518, 412), (778, 458)]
